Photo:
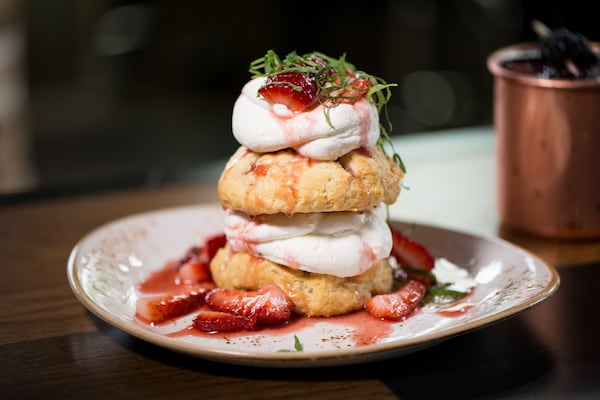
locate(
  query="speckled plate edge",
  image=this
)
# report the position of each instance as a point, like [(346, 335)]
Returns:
[(439, 238)]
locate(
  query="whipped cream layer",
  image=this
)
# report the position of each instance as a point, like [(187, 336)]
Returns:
[(263, 127), (343, 244)]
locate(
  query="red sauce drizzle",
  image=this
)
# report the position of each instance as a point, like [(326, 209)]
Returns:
[(162, 281), (455, 310), (165, 281), (366, 328), (365, 151), (260, 170), (361, 108)]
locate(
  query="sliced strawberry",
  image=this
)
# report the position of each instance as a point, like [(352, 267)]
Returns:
[(269, 305), (218, 321), (399, 304), (193, 267), (296, 90), (161, 308), (411, 254), (193, 272), (211, 246), (413, 257), (190, 255), (356, 89), (425, 278)]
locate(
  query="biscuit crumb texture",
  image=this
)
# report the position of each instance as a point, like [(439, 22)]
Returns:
[(313, 294), (286, 182)]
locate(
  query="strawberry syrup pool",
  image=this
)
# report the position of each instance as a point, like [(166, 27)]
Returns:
[(358, 328)]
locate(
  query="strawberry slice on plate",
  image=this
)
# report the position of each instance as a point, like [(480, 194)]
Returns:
[(399, 304), (269, 305), (194, 272), (162, 308), (194, 266), (218, 321), (410, 253), (295, 90), (413, 257), (211, 246)]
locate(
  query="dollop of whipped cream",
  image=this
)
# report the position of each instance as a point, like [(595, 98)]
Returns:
[(343, 244), (263, 127), (456, 277)]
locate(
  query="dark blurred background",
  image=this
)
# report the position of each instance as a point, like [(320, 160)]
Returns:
[(100, 94)]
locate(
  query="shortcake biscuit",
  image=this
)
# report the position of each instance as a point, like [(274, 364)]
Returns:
[(286, 182), (312, 294)]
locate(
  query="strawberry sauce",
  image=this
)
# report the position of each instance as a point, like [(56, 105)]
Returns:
[(161, 281), (364, 328), (166, 281), (294, 129), (260, 170), (455, 310), (361, 108)]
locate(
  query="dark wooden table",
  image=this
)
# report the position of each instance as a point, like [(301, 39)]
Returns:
[(50, 347)]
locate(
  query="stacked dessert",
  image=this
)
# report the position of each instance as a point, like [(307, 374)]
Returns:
[(305, 195)]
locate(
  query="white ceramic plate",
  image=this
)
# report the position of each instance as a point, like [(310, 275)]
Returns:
[(107, 265)]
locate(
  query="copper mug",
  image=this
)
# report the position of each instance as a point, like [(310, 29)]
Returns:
[(548, 149)]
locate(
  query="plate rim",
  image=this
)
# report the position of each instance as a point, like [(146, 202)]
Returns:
[(305, 359)]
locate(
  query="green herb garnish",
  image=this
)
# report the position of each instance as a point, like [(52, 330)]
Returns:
[(440, 294), (337, 80), (297, 346), (335, 77)]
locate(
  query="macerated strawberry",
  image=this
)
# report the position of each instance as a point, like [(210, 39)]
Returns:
[(161, 308), (190, 255), (211, 245), (194, 272), (296, 90), (399, 304), (425, 278), (218, 321), (193, 267), (411, 254), (269, 305), (355, 89)]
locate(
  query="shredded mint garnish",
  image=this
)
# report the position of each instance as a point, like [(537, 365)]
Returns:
[(440, 294), (332, 76), (297, 346), (335, 78)]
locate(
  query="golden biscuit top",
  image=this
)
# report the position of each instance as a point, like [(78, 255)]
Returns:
[(286, 182)]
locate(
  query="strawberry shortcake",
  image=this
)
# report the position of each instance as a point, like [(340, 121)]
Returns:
[(305, 199), (305, 195)]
